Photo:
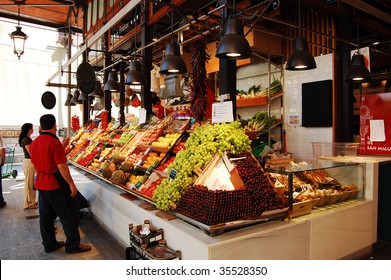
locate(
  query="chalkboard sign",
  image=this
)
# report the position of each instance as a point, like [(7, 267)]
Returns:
[(317, 104)]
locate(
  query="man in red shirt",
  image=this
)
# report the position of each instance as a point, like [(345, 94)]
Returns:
[(56, 190)]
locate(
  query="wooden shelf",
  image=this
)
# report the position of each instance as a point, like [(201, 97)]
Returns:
[(247, 102)]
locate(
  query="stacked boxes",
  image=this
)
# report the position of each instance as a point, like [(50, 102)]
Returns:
[(147, 243)]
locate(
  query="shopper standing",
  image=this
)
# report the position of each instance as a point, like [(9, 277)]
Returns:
[(2, 161), (56, 190), (30, 195)]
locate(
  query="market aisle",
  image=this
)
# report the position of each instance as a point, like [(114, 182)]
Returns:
[(20, 238)]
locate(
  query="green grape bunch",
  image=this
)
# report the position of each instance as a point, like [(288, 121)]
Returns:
[(203, 143)]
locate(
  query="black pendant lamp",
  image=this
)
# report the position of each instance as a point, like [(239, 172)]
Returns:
[(173, 62), (233, 45), (97, 90), (358, 71), (19, 38), (135, 76), (75, 98), (69, 101), (82, 97), (301, 58), (112, 82)]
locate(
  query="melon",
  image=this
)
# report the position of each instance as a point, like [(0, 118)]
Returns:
[(117, 158), (127, 166), (118, 177), (108, 170)]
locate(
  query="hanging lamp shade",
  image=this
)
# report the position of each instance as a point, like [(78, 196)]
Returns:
[(69, 101), (135, 75), (172, 62), (75, 98), (358, 71), (82, 97), (233, 45), (19, 38), (301, 58), (98, 92), (112, 82)]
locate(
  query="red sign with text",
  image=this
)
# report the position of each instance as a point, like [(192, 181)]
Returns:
[(375, 123)]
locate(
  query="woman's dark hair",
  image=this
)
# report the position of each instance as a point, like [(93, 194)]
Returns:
[(24, 131), (47, 121)]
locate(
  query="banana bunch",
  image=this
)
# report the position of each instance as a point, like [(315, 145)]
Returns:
[(260, 122)]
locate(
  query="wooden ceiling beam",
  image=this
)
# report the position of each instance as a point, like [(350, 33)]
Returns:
[(369, 9)]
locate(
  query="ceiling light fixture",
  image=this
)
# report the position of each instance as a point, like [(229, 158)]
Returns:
[(173, 62), (112, 82), (69, 101), (233, 45), (301, 58), (18, 37), (358, 72), (135, 76)]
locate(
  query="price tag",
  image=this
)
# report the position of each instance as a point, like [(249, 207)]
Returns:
[(222, 112), (305, 187), (173, 174), (142, 116)]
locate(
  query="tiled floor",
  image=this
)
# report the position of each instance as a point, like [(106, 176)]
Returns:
[(20, 238)]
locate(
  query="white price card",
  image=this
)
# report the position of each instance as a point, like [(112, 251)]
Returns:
[(142, 116), (377, 132), (222, 112)]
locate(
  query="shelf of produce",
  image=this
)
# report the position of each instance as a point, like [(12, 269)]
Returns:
[(123, 188), (248, 102)]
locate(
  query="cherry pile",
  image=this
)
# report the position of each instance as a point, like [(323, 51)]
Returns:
[(258, 183), (216, 207)]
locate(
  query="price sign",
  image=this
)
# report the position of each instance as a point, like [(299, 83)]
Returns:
[(173, 174)]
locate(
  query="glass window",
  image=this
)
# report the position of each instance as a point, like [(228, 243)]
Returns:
[(94, 12), (89, 16), (101, 9)]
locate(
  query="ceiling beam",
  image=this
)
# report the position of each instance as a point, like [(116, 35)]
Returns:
[(369, 9), (105, 28)]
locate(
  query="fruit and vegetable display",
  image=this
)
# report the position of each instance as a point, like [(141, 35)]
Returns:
[(257, 91), (260, 122), (164, 167), (203, 143)]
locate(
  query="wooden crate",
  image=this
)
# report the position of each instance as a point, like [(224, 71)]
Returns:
[(301, 208)]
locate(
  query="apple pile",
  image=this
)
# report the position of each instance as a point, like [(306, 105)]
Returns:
[(150, 136)]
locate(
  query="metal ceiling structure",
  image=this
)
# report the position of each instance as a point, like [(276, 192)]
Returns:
[(373, 18)]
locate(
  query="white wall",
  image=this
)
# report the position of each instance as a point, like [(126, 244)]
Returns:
[(298, 138), (22, 82)]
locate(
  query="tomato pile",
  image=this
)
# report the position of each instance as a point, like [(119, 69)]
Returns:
[(148, 191)]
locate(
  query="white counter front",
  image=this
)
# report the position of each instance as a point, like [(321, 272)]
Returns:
[(331, 233)]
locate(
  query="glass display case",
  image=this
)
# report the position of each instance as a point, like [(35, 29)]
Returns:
[(319, 185)]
